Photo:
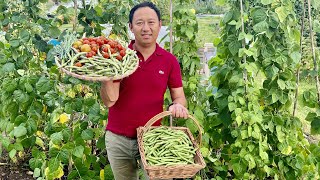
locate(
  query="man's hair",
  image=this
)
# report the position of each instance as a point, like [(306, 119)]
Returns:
[(141, 5)]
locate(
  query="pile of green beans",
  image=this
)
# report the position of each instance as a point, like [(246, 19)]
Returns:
[(165, 146), (98, 66)]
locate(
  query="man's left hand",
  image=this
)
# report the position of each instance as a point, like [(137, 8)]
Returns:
[(179, 111)]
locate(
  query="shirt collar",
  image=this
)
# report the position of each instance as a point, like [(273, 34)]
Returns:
[(158, 50)]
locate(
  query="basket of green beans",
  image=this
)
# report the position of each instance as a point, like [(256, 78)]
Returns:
[(95, 58), (168, 151)]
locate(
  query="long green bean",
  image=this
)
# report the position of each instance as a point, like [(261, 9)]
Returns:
[(167, 146)]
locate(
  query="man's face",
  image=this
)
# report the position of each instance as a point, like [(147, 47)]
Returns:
[(145, 26)]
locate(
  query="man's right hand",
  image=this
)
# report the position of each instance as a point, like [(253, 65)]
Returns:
[(109, 92)]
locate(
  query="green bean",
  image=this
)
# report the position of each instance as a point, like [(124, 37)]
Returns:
[(167, 146), (97, 66)]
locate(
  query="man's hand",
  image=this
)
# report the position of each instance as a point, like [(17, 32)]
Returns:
[(179, 111), (109, 92)]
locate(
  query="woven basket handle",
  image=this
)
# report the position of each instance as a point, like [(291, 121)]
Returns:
[(167, 113)]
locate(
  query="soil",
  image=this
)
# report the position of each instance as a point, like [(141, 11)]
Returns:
[(12, 171), (8, 172)]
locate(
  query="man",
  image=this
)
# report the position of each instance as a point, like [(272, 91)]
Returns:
[(137, 98)]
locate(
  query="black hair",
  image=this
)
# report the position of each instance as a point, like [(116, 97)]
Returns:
[(141, 5)]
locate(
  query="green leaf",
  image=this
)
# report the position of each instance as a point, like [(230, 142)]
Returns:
[(220, 2), (190, 33), (259, 15), (9, 85), (281, 84), (233, 22), (295, 35), (315, 125), (28, 87), (36, 172), (20, 96), (3, 58), (5, 142), (287, 150), (14, 43), (190, 124), (54, 32), (54, 164), (266, 2), (199, 114), (87, 134), (216, 41), (280, 134), (239, 120), (35, 163), (78, 151), (234, 47), (311, 116), (99, 10), (264, 155), (20, 119), (273, 20), (309, 98), (241, 100), (232, 106), (250, 159), (56, 138), (227, 17), (19, 131), (262, 26), (24, 35), (268, 51), (43, 85), (256, 132), (282, 13), (274, 97), (295, 56), (241, 36), (12, 153), (8, 67), (238, 169)]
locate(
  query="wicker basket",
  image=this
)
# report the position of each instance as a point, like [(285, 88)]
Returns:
[(173, 171), (89, 78)]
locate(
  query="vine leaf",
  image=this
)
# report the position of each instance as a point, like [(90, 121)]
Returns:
[(315, 125), (282, 13), (19, 131), (87, 134), (24, 35), (78, 151), (259, 15), (266, 2)]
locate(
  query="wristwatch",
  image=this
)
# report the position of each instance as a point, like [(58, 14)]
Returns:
[(171, 105)]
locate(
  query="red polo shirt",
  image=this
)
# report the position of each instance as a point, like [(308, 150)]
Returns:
[(142, 93)]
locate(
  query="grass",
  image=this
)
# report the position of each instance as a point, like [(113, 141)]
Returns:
[(208, 29)]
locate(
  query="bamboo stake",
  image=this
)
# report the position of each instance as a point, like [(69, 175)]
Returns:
[(76, 15), (298, 70), (245, 74), (313, 51), (171, 40)]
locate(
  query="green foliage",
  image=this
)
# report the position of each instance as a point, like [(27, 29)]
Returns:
[(59, 120), (185, 28), (208, 7), (251, 128)]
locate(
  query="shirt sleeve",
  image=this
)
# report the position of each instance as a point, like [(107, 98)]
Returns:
[(175, 78)]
